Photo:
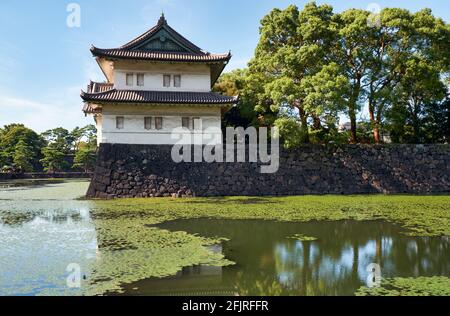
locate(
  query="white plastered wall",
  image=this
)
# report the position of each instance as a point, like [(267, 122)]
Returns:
[(134, 131), (194, 77)]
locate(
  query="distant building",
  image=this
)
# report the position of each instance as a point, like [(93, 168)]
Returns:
[(344, 127), (157, 82)]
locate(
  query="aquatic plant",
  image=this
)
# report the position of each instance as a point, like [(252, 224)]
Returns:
[(302, 237), (421, 286)]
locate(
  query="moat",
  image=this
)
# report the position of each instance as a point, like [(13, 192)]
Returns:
[(44, 228)]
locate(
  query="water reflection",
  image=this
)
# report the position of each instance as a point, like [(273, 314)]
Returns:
[(43, 229), (40, 238), (269, 263)]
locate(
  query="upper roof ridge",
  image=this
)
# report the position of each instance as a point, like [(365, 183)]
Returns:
[(162, 20)]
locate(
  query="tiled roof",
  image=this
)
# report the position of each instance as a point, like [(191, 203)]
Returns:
[(91, 109), (158, 97), (159, 56), (162, 23), (95, 87), (137, 49)]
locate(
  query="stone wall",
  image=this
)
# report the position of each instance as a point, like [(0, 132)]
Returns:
[(148, 171)]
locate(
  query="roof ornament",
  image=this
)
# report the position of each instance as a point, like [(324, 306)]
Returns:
[(162, 20)]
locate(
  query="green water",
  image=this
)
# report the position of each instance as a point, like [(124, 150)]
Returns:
[(271, 263), (44, 228)]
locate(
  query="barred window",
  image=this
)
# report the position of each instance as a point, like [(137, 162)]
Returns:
[(120, 122), (185, 122), (197, 123), (148, 123), (140, 80), (166, 81), (177, 81), (158, 123), (130, 79)]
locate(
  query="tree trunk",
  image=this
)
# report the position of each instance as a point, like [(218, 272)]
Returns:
[(353, 136), (317, 124), (376, 133), (374, 123), (304, 121), (352, 111)]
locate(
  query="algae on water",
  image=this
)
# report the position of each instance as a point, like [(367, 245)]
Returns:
[(129, 249), (302, 237), (421, 286)]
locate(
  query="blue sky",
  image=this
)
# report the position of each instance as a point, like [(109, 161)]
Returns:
[(44, 64)]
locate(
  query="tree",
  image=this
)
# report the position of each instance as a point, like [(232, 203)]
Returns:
[(60, 139), (437, 122), (290, 132), (352, 50), (85, 158), (315, 65), (11, 135), (418, 88), (54, 159), (23, 157), (85, 134), (85, 147), (401, 40), (244, 114), (292, 49)]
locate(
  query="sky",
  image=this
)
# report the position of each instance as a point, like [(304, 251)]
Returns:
[(44, 63)]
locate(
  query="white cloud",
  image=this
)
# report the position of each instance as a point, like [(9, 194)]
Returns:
[(41, 116)]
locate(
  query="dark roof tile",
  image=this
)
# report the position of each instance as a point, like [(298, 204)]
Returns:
[(134, 50), (159, 97), (160, 56)]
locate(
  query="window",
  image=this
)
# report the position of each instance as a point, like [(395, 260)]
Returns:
[(120, 122), (140, 80), (148, 123), (197, 123), (130, 79), (185, 122), (158, 123), (177, 81), (166, 81)]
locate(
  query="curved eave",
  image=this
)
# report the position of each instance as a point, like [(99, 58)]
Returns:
[(118, 54), (105, 97)]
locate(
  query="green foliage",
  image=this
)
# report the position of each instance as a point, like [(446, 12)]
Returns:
[(54, 159), (422, 286), (60, 139), (430, 124), (236, 83), (85, 158), (61, 143), (321, 64), (27, 154), (290, 132), (22, 157), (290, 57), (23, 150)]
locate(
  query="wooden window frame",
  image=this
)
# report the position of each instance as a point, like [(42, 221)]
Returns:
[(175, 81), (148, 123), (165, 76), (129, 75), (120, 122), (140, 84), (159, 123)]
